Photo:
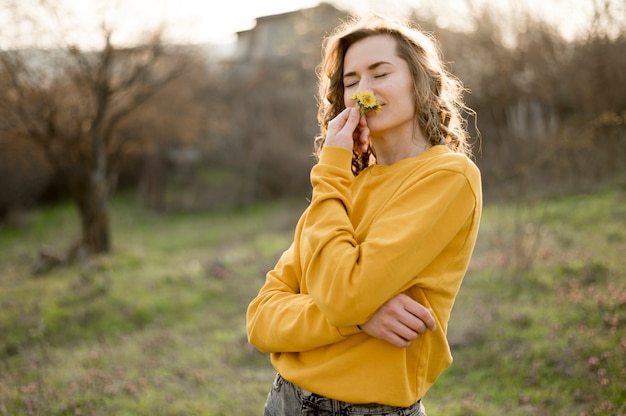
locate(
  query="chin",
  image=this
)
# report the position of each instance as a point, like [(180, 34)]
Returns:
[(375, 127)]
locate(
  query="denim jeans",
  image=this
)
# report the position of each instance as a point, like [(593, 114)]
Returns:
[(287, 399)]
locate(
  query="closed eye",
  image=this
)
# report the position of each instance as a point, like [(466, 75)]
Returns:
[(381, 75)]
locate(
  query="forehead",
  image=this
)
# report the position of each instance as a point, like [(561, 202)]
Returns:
[(363, 53)]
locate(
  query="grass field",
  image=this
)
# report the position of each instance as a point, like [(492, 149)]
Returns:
[(158, 327)]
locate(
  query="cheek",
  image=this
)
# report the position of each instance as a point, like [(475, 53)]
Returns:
[(347, 101), (409, 100)]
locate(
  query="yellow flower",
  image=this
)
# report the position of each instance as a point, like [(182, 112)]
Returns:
[(367, 101)]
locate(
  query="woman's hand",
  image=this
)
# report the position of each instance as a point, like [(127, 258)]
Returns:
[(348, 130), (400, 321)]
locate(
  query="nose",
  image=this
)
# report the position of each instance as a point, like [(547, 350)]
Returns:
[(364, 85)]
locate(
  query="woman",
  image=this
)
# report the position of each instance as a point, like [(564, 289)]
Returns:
[(355, 312)]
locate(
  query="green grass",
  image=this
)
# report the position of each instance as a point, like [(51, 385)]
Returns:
[(158, 327), (538, 327)]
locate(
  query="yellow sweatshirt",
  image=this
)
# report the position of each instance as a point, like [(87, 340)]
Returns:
[(409, 227)]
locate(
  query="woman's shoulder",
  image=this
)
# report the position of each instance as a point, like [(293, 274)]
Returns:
[(442, 157)]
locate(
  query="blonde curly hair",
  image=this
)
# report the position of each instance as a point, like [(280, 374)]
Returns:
[(437, 93)]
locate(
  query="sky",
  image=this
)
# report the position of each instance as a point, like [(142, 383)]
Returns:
[(218, 21)]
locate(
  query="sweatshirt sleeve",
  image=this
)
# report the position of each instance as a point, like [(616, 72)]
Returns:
[(349, 279), (281, 319)]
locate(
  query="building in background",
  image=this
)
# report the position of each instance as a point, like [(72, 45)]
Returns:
[(287, 38)]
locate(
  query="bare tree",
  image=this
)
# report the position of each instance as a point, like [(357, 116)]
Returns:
[(271, 139), (71, 103)]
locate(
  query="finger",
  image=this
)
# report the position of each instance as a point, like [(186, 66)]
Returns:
[(365, 131), (364, 138), (409, 333), (406, 326), (422, 313), (402, 343), (361, 140), (414, 324), (361, 135), (351, 121), (397, 341), (430, 322), (339, 121), (427, 318), (341, 130)]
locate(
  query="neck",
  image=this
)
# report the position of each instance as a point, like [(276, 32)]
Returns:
[(390, 150)]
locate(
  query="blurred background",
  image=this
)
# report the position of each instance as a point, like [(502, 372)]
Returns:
[(196, 105), (150, 139)]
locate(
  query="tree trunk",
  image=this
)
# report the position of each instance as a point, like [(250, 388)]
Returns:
[(93, 205), (93, 202)]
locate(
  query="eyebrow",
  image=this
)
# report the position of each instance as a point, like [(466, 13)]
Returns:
[(372, 66)]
